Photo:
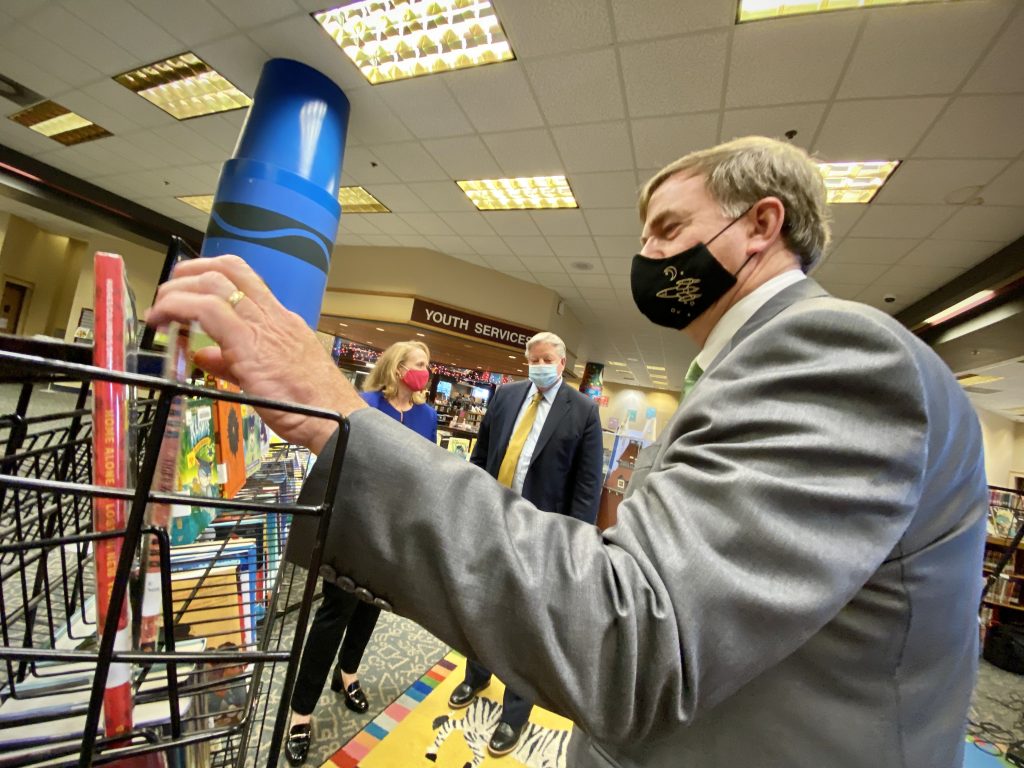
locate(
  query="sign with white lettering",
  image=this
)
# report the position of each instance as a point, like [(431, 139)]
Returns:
[(466, 324)]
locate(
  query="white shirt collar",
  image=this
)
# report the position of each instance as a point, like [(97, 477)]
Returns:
[(741, 311), (549, 394)]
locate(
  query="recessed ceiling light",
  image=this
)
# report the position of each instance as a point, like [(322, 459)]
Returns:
[(184, 86), (632, 360), (623, 365), (655, 368), (525, 193), (59, 123), (974, 379), (511, 357), (381, 330), (421, 334), (203, 202), (856, 182), (358, 200), (757, 10), (960, 307), (394, 40), (343, 325)]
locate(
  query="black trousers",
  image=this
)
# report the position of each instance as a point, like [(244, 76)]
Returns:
[(515, 710), (340, 613)]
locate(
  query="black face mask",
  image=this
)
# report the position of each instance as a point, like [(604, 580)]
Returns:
[(675, 291)]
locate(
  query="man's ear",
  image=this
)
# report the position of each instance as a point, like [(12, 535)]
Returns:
[(769, 214)]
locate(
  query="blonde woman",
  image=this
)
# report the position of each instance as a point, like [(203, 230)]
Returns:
[(396, 386)]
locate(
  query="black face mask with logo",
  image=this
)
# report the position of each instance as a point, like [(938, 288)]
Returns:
[(673, 292)]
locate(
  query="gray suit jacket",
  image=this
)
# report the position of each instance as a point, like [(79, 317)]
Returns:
[(793, 582)]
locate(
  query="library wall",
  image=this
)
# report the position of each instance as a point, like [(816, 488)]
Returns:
[(622, 399), (4, 221), (45, 262), (1004, 447)]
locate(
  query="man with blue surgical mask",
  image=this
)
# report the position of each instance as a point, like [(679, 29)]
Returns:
[(542, 439)]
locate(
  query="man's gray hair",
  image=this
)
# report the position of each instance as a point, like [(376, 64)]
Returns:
[(740, 172), (546, 337)]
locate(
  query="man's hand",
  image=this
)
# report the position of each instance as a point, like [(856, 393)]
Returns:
[(264, 348)]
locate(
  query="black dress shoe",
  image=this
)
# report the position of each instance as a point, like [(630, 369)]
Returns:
[(297, 746), (504, 739), (355, 699), (464, 694)]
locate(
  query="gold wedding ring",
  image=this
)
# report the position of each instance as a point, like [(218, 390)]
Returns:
[(235, 297)]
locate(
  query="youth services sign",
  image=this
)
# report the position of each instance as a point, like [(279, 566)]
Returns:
[(458, 321)]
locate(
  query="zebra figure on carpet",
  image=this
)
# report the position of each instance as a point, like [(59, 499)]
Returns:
[(537, 748)]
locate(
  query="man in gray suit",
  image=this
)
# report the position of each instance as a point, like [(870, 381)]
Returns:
[(794, 576)]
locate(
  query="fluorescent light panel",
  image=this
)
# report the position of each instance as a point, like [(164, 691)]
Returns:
[(530, 193), (655, 368), (59, 123), (976, 379), (394, 39), (961, 306), (203, 202), (358, 200), (184, 86), (623, 365), (856, 182), (757, 10)]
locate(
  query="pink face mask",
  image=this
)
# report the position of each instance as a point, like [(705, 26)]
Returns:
[(416, 378)]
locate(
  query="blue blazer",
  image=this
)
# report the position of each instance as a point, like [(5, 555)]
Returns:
[(565, 472)]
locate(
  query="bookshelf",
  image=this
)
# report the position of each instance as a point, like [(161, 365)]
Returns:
[(1003, 565)]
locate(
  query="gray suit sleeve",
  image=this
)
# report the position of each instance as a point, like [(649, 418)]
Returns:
[(788, 478)]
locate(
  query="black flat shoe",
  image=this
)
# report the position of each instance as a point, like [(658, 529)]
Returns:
[(355, 699), (504, 739), (297, 746), (464, 694)]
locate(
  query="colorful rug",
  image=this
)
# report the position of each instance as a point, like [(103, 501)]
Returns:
[(418, 730)]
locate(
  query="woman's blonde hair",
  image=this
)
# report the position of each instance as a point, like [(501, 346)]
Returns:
[(740, 172), (385, 377)]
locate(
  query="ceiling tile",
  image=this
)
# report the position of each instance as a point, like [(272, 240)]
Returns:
[(671, 76), (993, 124), (585, 281), (252, 13), (911, 277), (426, 107), (191, 21), (368, 169), (36, 50), (92, 109), (850, 274), (605, 190), (1006, 56), (358, 224), (557, 223), (540, 264), (442, 196), (299, 37), (504, 262), (840, 290), (658, 18), (496, 98), (622, 247), (345, 239), (463, 224), (413, 241), (905, 51), (540, 27), (594, 147), (488, 246), (1008, 188), (471, 258), (426, 224), (237, 58), (573, 247), (449, 244), (155, 146), (555, 280), (380, 240), (621, 222), (815, 49), (147, 40), (660, 140), (59, 26), (993, 223), (511, 223), (876, 129), (933, 181), (618, 269), (958, 254), (398, 197), (805, 119), (370, 119), (901, 220), (23, 71), (525, 153), (409, 161), (871, 250), (578, 88), (529, 246), (843, 217), (387, 223), (465, 157)]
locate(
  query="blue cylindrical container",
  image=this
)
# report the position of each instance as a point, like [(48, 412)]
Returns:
[(276, 204)]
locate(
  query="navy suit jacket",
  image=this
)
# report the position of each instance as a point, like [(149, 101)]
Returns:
[(566, 469)]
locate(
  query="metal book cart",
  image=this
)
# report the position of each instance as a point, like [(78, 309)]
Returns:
[(211, 691)]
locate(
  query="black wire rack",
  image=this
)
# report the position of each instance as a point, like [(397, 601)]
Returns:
[(210, 691)]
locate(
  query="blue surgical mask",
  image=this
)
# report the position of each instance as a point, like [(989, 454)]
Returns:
[(544, 375)]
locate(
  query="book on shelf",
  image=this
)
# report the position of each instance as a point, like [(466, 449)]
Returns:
[(197, 470)]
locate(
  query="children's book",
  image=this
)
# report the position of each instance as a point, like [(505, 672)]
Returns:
[(459, 446), (231, 471), (197, 470)]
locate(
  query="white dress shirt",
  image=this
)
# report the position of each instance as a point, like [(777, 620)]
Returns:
[(742, 311), (543, 407)]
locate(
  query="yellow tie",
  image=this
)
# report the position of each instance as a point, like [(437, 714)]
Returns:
[(693, 373), (515, 445)]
